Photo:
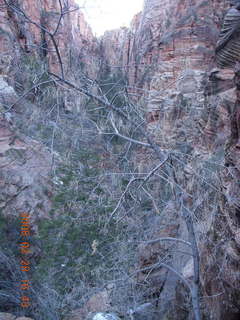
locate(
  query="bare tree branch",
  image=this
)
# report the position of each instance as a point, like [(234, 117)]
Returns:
[(196, 261), (166, 239), (164, 265), (160, 153)]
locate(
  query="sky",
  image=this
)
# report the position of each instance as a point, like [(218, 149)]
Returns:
[(105, 15)]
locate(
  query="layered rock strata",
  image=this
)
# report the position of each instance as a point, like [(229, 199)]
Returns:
[(168, 59)]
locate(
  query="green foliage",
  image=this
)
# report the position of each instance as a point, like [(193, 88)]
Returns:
[(67, 246), (81, 208)]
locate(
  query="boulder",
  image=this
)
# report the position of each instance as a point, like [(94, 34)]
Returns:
[(103, 316)]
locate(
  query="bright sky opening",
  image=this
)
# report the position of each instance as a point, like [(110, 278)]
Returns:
[(105, 15)]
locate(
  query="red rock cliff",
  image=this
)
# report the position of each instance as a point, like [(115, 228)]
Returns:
[(167, 57), (26, 33)]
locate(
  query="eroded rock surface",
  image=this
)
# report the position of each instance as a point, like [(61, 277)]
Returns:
[(25, 167)]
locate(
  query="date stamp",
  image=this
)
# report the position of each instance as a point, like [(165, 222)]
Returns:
[(25, 265)]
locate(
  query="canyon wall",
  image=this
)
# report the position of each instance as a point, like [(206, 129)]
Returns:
[(167, 59)]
